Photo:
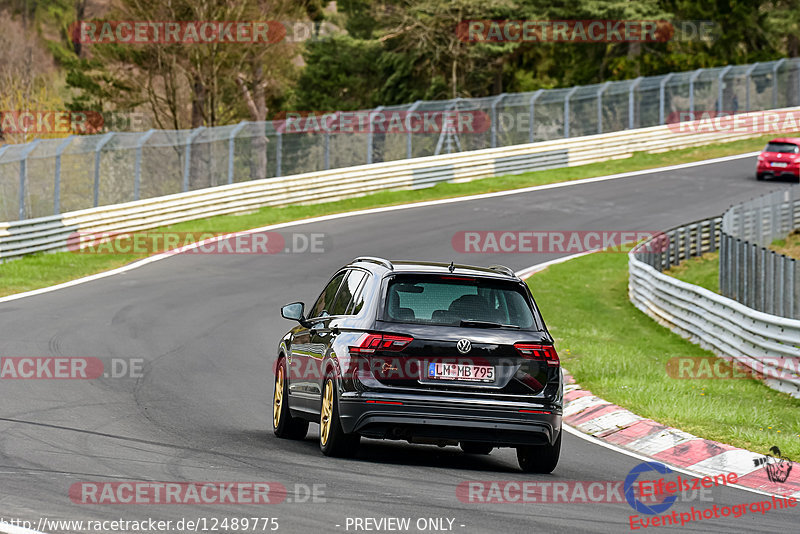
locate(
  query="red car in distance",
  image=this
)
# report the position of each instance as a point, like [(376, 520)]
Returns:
[(779, 159)]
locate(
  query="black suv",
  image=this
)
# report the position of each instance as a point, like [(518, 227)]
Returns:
[(424, 352)]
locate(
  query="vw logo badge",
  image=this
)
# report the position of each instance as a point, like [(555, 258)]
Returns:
[(464, 346)]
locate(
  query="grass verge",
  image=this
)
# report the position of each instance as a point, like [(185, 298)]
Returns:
[(701, 271), (42, 270), (790, 246), (620, 354)]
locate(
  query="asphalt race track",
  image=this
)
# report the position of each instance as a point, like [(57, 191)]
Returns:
[(207, 326)]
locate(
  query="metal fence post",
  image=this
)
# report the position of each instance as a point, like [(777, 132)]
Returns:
[(232, 145), (409, 145), (188, 155), (495, 125), (720, 83), (600, 91), (692, 78), (566, 110), (370, 140), (137, 174), (747, 74), (57, 179), (634, 85), (531, 108), (278, 152), (97, 151), (775, 68), (23, 175), (662, 96), (326, 150)]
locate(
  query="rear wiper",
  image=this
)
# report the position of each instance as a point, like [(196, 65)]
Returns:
[(486, 324)]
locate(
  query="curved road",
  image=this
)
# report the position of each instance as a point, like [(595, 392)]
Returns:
[(206, 327)]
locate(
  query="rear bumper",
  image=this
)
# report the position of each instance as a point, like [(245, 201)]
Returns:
[(452, 419), (767, 171)]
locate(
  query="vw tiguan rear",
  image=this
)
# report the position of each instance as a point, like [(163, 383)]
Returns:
[(423, 352)]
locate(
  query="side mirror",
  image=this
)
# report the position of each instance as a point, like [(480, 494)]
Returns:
[(294, 311)]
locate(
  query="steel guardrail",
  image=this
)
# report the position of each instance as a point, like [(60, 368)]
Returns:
[(56, 232)]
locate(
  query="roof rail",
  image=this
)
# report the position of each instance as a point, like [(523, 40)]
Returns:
[(373, 259), (503, 269)]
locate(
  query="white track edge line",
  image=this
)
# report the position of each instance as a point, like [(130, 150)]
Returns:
[(570, 183)]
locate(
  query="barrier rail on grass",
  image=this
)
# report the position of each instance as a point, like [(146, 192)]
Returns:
[(768, 345)]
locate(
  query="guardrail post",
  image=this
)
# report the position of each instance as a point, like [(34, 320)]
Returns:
[(747, 74), (780, 295), (722, 278), (662, 96), (566, 110), (793, 275), (775, 68), (692, 78), (495, 124), (720, 84), (137, 174), (188, 156), (57, 179), (23, 175), (370, 139), (634, 84), (531, 108), (97, 152), (600, 91), (409, 145), (232, 145)]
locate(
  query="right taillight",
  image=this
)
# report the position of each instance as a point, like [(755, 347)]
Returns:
[(531, 351), (369, 343)]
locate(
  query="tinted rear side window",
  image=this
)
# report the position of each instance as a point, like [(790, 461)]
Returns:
[(346, 292), (325, 300), (450, 300), (786, 148)]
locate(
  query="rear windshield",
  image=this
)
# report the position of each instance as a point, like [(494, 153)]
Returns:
[(451, 300), (782, 147)]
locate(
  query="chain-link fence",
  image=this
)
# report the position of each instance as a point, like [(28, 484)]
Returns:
[(52, 176)]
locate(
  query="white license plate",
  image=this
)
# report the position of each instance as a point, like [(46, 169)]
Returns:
[(453, 371), (779, 164)]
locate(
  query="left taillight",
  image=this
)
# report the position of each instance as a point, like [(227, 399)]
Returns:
[(369, 343), (530, 351)]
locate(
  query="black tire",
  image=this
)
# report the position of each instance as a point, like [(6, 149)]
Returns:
[(334, 442), (539, 458), (759, 177), (283, 424), (471, 447)]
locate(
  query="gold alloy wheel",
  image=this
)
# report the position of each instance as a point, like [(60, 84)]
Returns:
[(327, 413), (277, 402)]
